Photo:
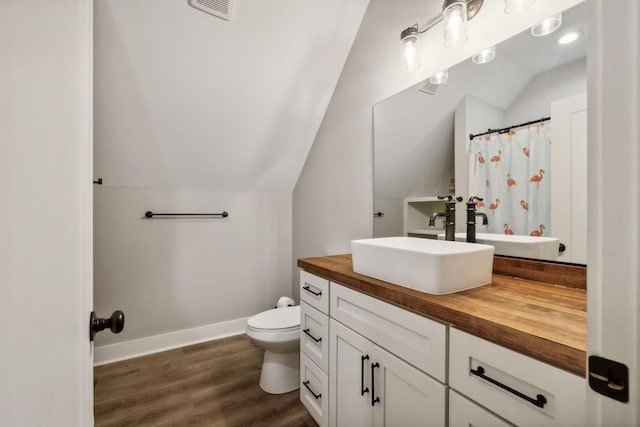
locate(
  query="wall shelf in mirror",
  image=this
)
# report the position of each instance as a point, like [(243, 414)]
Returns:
[(417, 211)]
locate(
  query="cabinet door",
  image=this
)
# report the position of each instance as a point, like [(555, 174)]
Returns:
[(349, 379), (408, 397), (465, 413)]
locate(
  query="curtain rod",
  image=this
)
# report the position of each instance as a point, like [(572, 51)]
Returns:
[(507, 129)]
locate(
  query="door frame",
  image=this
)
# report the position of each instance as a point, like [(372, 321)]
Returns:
[(613, 253)]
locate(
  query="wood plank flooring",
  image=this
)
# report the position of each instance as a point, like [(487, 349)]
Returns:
[(209, 384)]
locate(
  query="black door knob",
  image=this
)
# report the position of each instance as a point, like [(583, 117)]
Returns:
[(115, 323)]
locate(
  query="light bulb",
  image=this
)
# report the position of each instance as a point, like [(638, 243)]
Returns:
[(410, 49), (454, 19)]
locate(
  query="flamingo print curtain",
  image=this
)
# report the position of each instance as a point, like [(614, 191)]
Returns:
[(511, 174)]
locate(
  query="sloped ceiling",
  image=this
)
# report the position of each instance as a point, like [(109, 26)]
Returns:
[(183, 99)]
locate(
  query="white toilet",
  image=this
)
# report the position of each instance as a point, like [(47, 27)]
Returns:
[(278, 332)]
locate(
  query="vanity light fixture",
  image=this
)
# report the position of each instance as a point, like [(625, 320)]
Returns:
[(515, 7), (410, 49), (439, 78), (547, 26), (484, 56), (455, 15), (569, 37)]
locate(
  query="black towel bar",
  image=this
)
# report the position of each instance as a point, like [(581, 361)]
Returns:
[(150, 214)]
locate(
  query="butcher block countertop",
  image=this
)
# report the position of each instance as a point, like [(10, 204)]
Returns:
[(545, 321)]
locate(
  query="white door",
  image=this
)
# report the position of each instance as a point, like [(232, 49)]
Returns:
[(408, 397), (569, 177), (45, 212), (350, 378), (613, 274)]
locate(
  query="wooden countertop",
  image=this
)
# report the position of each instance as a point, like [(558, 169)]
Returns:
[(544, 321)]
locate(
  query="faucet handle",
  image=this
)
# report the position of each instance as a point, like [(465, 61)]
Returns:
[(450, 198), (474, 199)]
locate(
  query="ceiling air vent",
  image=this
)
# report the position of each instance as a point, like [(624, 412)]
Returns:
[(219, 8)]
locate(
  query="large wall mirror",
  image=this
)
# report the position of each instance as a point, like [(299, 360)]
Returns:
[(532, 178)]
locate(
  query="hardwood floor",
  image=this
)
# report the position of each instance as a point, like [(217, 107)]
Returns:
[(208, 384)]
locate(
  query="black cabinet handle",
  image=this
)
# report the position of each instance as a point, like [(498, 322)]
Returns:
[(539, 401), (306, 384), (362, 389), (308, 289), (374, 398), (306, 331)]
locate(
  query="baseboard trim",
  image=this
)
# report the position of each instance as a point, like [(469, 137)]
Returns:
[(110, 353)]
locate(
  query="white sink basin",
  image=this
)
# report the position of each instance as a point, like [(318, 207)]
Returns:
[(431, 266), (518, 246)]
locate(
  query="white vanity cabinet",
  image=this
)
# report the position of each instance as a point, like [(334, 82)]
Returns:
[(314, 346), (370, 386), (365, 362), (518, 388)]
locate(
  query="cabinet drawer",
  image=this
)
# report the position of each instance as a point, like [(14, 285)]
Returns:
[(314, 290), (513, 385), (465, 413), (314, 335), (416, 339), (314, 390)]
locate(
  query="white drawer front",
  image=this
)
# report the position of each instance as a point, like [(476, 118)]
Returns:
[(465, 413), (416, 339), (564, 394), (314, 390), (314, 335), (314, 290)]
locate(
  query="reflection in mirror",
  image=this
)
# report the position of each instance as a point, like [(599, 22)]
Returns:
[(533, 178)]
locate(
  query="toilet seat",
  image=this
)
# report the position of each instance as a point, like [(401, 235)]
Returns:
[(277, 319)]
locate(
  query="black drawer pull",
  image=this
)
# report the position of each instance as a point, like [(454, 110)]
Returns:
[(539, 401), (306, 331), (362, 389), (306, 384), (374, 398), (308, 289)]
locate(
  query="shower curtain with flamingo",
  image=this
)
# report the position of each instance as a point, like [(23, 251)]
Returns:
[(511, 174)]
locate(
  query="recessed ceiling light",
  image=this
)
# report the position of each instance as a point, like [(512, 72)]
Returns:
[(439, 78), (569, 37), (547, 26), (484, 56)]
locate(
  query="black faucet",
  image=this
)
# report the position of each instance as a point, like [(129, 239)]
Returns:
[(450, 216), (471, 218)]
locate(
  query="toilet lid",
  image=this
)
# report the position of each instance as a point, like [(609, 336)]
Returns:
[(276, 318)]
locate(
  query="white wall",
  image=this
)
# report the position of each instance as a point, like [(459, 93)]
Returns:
[(534, 101), (333, 197), (390, 224), (413, 148), (174, 274), (198, 114)]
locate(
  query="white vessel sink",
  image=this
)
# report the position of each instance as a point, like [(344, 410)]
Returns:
[(518, 246), (431, 266)]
